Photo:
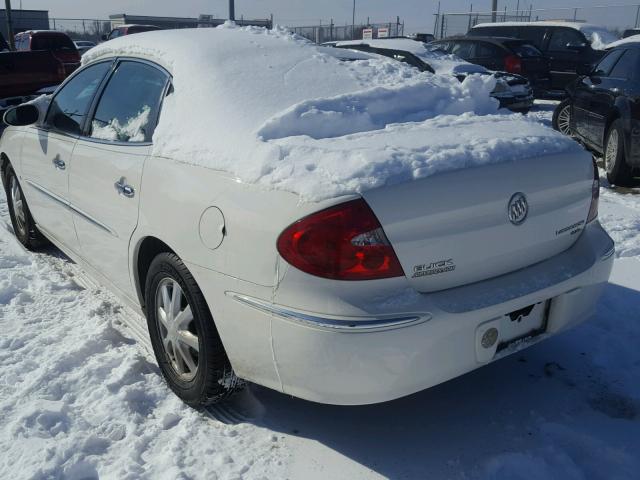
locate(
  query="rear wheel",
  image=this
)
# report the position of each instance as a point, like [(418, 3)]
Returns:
[(562, 117), (618, 171), (24, 226), (184, 337)]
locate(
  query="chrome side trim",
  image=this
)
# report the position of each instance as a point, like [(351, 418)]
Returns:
[(333, 324), (73, 208), (608, 253)]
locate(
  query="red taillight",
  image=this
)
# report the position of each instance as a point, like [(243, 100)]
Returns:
[(595, 194), (513, 64), (345, 242)]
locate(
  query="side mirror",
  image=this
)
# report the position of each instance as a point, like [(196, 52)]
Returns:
[(104, 37), (584, 69), (22, 115), (576, 47)]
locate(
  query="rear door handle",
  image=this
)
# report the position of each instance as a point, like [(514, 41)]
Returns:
[(59, 163), (124, 189)]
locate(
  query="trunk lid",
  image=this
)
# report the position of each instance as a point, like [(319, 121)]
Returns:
[(453, 228)]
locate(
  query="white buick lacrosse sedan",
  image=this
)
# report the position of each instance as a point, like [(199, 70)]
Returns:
[(345, 229)]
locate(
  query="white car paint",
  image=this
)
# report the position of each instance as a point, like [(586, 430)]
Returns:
[(341, 342)]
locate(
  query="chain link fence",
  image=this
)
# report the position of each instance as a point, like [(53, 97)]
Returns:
[(616, 18), (335, 33)]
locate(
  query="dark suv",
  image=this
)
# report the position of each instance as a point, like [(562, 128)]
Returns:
[(604, 112), (568, 46), (502, 54)]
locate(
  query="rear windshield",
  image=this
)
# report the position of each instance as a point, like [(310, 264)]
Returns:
[(142, 29), (51, 42), (523, 50)]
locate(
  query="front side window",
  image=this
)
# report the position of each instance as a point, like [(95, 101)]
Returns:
[(487, 50), (463, 50), (70, 105), (606, 64), (626, 66), (129, 106)]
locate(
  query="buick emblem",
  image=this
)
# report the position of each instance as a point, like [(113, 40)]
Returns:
[(518, 208)]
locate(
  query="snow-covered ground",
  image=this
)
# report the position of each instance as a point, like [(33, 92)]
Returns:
[(79, 398)]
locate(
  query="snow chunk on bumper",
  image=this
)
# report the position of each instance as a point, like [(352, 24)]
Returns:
[(378, 107), (317, 169)]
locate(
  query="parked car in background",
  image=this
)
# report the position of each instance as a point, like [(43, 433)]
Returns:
[(83, 46), (332, 244), (122, 30), (568, 46), (630, 32), (512, 91), (603, 111), (58, 43), (502, 54)]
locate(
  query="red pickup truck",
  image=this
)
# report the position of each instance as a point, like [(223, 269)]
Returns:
[(22, 74)]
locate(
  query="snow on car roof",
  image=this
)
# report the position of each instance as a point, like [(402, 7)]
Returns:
[(441, 62), (597, 35), (273, 109)]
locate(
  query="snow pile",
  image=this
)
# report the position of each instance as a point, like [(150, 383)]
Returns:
[(78, 400), (249, 101)]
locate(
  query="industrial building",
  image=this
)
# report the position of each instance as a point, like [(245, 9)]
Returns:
[(180, 22), (24, 20)]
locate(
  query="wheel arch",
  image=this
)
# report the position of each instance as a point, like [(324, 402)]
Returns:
[(620, 112), (4, 163), (146, 250)]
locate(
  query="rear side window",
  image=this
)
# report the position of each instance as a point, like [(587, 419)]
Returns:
[(51, 42), (626, 66), (607, 63), (70, 105), (524, 50), (533, 35), (562, 38), (129, 106), (487, 50)]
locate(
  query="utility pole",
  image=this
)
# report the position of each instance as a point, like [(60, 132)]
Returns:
[(494, 10), (353, 21), (12, 43), (232, 10)]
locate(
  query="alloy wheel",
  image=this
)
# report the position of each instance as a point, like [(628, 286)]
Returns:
[(18, 206), (611, 153), (564, 120), (177, 329)]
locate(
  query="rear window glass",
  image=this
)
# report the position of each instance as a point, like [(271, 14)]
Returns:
[(51, 42), (524, 50)]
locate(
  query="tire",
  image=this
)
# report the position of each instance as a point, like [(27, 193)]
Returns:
[(187, 347), (561, 120), (24, 226), (618, 171)]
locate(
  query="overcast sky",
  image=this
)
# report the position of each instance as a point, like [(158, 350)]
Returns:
[(418, 14)]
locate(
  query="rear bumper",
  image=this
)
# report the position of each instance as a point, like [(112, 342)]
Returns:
[(521, 102), (420, 340)]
